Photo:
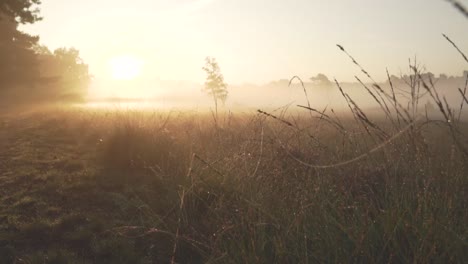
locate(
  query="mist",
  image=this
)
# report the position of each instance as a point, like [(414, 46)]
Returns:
[(319, 94), (233, 131)]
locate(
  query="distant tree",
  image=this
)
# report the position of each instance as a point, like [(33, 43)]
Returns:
[(321, 80), (428, 75), (72, 68), (214, 84), (63, 69), (394, 79)]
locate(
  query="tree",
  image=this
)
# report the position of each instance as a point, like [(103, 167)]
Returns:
[(16, 48), (18, 58), (73, 70), (25, 64), (214, 84), (64, 71), (23, 11), (321, 80)]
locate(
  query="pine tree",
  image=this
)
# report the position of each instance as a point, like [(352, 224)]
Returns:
[(18, 59)]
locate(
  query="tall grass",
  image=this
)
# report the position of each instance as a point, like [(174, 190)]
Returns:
[(308, 186), (272, 188)]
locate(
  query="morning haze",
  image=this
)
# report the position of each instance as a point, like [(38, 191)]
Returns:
[(233, 131), (256, 41)]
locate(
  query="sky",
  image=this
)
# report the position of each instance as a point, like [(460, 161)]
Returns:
[(257, 41)]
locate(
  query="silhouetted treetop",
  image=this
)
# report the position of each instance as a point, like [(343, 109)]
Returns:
[(22, 11), (18, 58), (321, 80)]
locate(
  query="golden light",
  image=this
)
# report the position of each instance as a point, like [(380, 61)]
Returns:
[(125, 67)]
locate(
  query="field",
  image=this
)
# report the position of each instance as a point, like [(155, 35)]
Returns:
[(120, 144), (129, 186)]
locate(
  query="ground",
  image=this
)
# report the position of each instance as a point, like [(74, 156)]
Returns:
[(80, 186)]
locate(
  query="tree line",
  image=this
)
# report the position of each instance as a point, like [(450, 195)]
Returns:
[(27, 66)]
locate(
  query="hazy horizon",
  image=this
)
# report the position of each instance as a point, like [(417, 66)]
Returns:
[(254, 42)]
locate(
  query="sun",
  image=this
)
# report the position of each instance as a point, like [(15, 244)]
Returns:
[(125, 67)]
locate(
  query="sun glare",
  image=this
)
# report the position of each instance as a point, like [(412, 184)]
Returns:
[(125, 67)]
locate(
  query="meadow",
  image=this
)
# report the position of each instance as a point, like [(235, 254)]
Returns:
[(274, 186), (351, 172)]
